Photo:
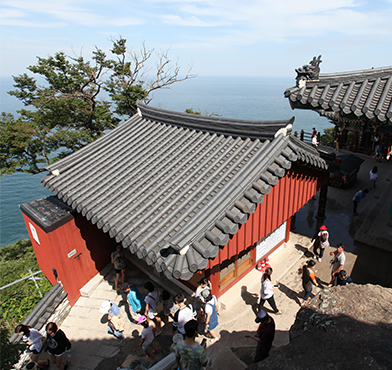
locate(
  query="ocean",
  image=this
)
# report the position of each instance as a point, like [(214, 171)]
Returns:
[(253, 98)]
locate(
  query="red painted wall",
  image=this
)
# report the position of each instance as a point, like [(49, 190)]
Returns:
[(91, 244), (287, 197)]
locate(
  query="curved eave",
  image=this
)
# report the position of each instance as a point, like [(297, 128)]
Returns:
[(219, 125), (365, 94)]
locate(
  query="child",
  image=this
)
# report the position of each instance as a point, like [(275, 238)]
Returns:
[(147, 336)]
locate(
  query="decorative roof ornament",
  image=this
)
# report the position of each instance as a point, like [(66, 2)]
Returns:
[(308, 72)]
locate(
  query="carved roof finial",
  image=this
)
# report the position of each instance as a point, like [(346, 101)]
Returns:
[(308, 71)]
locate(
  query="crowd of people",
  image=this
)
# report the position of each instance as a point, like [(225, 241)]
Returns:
[(155, 307)]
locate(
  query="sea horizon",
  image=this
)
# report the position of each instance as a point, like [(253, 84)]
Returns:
[(250, 98)]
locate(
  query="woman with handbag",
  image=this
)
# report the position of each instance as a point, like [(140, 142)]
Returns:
[(320, 243), (153, 305), (34, 340)]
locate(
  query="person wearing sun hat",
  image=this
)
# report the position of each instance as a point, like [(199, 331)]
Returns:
[(320, 243), (265, 335), (115, 322)]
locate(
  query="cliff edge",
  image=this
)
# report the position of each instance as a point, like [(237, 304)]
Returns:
[(345, 327)]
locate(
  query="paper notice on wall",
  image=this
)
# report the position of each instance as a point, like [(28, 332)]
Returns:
[(72, 253), (34, 233), (270, 241)]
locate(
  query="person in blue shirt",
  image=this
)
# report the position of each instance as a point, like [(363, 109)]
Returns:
[(135, 300), (115, 323), (356, 199)]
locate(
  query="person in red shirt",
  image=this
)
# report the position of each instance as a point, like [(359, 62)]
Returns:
[(264, 337)]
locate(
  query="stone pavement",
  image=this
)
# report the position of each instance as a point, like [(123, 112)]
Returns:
[(92, 345), (238, 306)]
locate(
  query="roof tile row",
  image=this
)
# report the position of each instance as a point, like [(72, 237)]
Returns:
[(174, 194), (366, 93)]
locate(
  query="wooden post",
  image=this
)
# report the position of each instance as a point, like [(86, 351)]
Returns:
[(322, 202)]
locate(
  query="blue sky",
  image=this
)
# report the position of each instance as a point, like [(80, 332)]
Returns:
[(216, 37)]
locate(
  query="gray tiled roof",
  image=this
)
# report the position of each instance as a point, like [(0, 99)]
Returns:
[(363, 94), (173, 187)]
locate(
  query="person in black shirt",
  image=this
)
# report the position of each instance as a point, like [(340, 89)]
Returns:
[(264, 336), (343, 278), (57, 343)]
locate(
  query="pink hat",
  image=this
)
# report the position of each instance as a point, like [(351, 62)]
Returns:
[(323, 227), (141, 319)]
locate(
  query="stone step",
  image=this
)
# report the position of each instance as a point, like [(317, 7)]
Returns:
[(90, 287)]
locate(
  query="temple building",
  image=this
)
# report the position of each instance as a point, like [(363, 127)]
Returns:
[(358, 103), (187, 195)]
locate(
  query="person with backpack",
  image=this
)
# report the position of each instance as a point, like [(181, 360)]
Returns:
[(184, 314), (308, 280), (320, 243), (211, 310)]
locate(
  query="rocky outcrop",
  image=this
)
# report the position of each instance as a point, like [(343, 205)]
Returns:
[(346, 327)]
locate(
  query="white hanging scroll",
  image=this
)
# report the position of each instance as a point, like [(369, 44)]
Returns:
[(270, 241)]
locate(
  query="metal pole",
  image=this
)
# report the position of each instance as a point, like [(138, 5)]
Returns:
[(35, 282)]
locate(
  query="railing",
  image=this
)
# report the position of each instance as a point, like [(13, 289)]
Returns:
[(307, 137), (30, 277)]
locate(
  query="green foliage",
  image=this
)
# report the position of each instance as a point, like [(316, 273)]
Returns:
[(69, 110), (191, 111), (19, 299), (327, 137), (9, 352)]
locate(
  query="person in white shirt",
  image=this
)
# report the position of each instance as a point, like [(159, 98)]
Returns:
[(151, 300), (373, 177), (33, 338), (199, 303), (184, 314), (147, 336), (266, 292)]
